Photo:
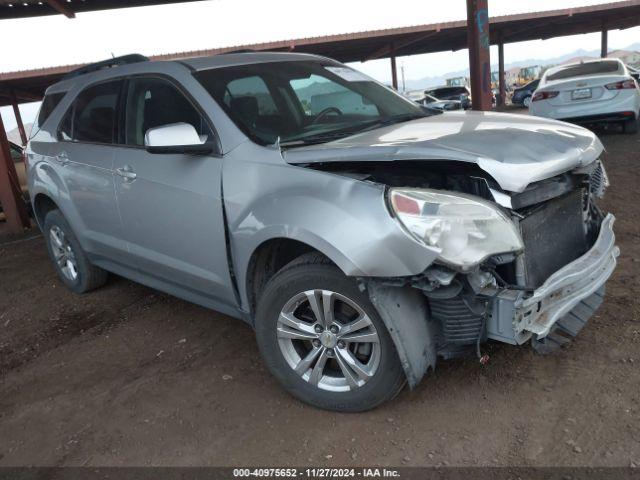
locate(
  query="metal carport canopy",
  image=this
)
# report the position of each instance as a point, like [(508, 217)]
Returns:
[(13, 92), (30, 85), (12, 9)]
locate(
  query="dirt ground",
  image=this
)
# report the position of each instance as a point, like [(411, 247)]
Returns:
[(130, 376)]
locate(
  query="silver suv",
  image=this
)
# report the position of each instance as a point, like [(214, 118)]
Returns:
[(361, 235)]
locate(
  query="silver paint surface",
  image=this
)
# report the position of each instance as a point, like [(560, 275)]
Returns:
[(165, 228), (515, 150)]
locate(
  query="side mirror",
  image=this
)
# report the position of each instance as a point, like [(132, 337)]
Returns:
[(176, 138)]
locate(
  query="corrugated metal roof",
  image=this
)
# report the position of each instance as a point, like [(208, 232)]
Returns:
[(13, 9), (409, 40)]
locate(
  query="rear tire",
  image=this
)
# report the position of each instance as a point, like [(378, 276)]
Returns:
[(327, 381), (527, 101), (69, 260), (630, 126)]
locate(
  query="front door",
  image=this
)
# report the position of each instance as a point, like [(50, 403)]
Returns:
[(170, 204)]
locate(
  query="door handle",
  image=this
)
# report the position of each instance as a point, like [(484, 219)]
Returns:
[(127, 173), (62, 158)]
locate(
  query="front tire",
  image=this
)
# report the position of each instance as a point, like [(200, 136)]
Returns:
[(69, 260), (527, 102), (324, 341)]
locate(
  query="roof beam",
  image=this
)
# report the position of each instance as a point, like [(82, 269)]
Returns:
[(396, 46), (21, 96), (59, 7)]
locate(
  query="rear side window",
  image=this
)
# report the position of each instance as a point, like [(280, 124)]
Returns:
[(590, 68), (49, 104), (154, 102), (92, 117)]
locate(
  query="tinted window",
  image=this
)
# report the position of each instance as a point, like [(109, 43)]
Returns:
[(49, 103), (154, 102), (583, 69), (94, 116)]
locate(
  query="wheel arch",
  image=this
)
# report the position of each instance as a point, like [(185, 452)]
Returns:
[(42, 205), (274, 253)]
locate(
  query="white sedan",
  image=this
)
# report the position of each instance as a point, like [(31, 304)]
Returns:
[(589, 92)]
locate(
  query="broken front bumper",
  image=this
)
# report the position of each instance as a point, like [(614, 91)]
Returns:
[(568, 286), (515, 318)]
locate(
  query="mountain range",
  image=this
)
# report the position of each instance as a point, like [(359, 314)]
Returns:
[(422, 83)]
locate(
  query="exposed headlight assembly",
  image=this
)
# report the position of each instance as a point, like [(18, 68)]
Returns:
[(464, 230)]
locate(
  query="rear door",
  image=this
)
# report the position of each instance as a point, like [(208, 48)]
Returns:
[(83, 158), (170, 204)]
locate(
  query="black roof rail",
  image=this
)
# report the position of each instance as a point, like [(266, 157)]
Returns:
[(241, 50), (111, 62)]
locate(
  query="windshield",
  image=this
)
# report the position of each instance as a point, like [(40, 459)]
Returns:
[(302, 102)]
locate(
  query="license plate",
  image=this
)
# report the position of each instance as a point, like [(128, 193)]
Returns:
[(581, 94)]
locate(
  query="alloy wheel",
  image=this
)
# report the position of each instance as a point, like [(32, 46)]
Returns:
[(63, 253), (328, 340)]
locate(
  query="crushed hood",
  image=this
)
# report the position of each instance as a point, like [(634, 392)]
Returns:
[(515, 150)]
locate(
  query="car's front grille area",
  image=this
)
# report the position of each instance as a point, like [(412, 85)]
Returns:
[(460, 325), (553, 235)]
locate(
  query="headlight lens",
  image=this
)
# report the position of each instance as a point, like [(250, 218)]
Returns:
[(464, 230)]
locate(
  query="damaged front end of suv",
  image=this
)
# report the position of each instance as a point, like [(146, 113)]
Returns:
[(522, 250)]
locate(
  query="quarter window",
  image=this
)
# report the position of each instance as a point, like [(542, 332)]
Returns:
[(49, 103), (154, 102)]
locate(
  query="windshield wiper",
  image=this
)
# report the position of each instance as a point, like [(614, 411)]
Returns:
[(353, 130)]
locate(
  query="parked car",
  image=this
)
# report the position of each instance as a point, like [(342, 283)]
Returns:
[(437, 104), (600, 91), (362, 238), (460, 93), (522, 95)]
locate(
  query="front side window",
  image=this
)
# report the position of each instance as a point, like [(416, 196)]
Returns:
[(302, 102), (155, 102), (94, 114)]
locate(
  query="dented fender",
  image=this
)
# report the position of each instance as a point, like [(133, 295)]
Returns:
[(344, 218)]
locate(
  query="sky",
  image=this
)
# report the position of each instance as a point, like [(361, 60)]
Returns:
[(57, 40)]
